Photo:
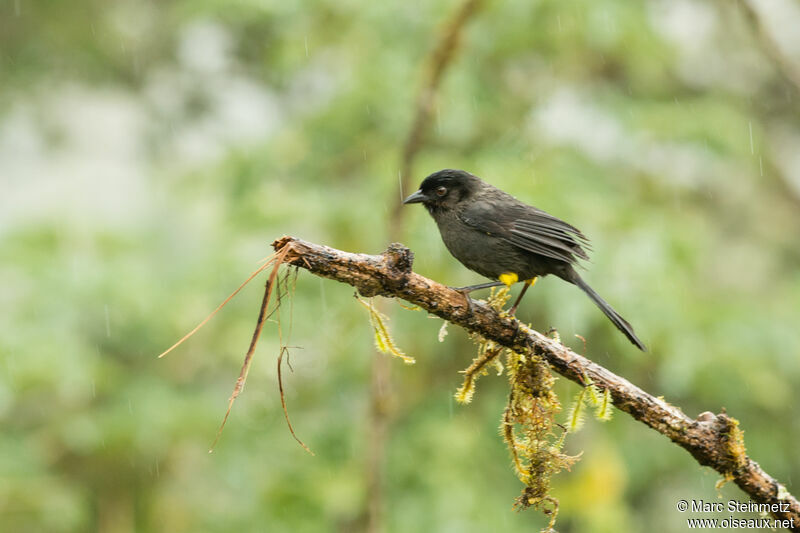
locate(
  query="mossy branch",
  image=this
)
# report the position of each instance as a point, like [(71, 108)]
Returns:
[(713, 440)]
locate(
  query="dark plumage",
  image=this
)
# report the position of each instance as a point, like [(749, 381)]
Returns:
[(494, 234)]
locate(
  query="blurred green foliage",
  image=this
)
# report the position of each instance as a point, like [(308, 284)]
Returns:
[(151, 151)]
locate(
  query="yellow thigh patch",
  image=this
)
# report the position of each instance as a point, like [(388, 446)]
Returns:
[(509, 278)]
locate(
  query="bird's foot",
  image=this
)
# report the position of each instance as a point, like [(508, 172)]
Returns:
[(464, 291), (469, 288), (467, 299), (516, 327)]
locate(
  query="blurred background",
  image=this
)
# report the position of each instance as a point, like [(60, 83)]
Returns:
[(150, 152)]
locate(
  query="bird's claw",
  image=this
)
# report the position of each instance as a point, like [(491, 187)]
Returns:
[(516, 327), (463, 291)]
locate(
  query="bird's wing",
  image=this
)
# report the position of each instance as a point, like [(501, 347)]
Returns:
[(528, 228)]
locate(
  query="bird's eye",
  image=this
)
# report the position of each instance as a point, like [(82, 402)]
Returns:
[(441, 191)]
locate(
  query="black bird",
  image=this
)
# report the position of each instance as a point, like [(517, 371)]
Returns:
[(497, 236)]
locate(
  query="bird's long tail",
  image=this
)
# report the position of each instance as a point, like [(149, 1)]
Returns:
[(612, 315)]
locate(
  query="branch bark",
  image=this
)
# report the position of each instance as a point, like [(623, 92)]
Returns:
[(713, 440)]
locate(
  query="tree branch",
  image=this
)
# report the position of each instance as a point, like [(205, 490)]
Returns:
[(785, 65), (713, 440)]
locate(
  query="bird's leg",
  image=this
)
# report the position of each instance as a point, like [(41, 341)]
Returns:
[(528, 283), (469, 288)]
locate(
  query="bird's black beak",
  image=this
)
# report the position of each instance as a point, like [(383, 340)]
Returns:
[(416, 198)]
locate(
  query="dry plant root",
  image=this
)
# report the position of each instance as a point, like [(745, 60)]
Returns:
[(275, 261)]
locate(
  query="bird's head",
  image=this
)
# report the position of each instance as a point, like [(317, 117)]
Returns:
[(445, 189)]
